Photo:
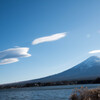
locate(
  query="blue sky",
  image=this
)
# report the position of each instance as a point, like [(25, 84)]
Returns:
[(25, 21)]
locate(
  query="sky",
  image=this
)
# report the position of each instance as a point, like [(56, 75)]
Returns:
[(39, 38)]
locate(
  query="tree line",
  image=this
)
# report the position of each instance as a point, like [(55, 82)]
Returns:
[(65, 82)]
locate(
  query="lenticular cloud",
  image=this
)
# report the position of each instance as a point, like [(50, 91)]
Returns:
[(7, 61), (53, 37), (12, 55), (94, 51)]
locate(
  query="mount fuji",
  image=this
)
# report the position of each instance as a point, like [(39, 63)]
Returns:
[(86, 70)]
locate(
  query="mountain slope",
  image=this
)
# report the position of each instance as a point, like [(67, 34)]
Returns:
[(88, 69)]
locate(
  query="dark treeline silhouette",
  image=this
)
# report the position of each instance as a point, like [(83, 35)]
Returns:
[(96, 81)]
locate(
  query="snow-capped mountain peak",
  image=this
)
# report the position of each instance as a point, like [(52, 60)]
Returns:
[(88, 63), (92, 59)]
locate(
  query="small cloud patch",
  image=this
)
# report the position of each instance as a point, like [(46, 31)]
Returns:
[(94, 51)]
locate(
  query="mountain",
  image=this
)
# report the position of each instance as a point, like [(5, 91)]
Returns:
[(88, 69)]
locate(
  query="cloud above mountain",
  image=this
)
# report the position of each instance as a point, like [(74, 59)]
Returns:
[(11, 55), (50, 38), (94, 51)]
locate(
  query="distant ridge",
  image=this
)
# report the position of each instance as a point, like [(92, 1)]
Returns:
[(86, 70)]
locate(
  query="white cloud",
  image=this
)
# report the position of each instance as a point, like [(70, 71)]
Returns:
[(49, 38), (7, 61), (94, 51), (12, 55)]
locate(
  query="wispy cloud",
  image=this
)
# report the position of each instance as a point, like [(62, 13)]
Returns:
[(53, 37), (7, 61), (94, 51), (12, 55)]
